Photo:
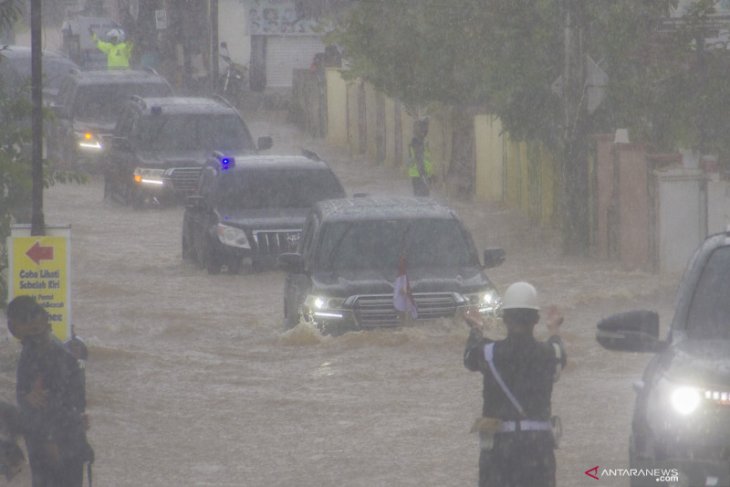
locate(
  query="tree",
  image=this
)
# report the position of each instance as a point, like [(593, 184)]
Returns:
[(508, 54), (15, 163)]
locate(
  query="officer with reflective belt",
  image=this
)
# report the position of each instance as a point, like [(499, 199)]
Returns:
[(517, 432)]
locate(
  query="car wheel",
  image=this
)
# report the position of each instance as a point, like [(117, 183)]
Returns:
[(187, 253), (234, 265), (211, 262), (137, 199)]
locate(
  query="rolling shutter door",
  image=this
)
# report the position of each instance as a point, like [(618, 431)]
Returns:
[(286, 53)]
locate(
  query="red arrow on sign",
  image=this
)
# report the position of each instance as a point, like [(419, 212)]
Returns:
[(38, 253)]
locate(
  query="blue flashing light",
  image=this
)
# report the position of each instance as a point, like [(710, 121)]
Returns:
[(225, 162)]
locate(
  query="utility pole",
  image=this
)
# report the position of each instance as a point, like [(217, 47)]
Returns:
[(37, 224), (574, 168)]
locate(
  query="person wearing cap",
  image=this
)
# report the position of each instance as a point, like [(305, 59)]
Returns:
[(117, 51), (516, 427), (51, 397)]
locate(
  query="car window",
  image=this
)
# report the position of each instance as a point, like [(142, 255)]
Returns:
[(710, 307), (378, 244), (194, 132), (277, 188), (102, 102)]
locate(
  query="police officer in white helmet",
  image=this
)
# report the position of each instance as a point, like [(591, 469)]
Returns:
[(517, 429)]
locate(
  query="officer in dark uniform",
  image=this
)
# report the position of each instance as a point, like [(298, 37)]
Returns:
[(51, 398), (516, 428)]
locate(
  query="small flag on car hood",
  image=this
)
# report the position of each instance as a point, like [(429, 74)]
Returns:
[(402, 297)]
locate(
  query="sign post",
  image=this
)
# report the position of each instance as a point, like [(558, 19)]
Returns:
[(39, 266)]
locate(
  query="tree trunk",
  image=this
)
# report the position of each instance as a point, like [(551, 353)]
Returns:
[(462, 167)]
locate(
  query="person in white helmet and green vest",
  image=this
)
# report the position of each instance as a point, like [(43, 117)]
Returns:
[(517, 430), (420, 166), (116, 49)]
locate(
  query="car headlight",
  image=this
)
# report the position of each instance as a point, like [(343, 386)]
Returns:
[(487, 301), (685, 399), (232, 236), (681, 399), (320, 306), (145, 175), (88, 141)]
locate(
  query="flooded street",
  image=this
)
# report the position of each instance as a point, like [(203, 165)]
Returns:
[(192, 380)]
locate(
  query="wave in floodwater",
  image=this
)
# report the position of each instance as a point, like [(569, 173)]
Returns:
[(441, 331)]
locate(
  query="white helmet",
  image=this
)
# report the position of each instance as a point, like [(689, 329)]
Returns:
[(115, 33), (520, 295)]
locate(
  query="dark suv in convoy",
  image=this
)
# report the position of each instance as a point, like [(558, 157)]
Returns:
[(87, 107), (160, 145), (15, 70), (342, 275), (253, 207), (681, 422)]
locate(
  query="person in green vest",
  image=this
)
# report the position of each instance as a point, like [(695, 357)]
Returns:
[(420, 166), (117, 51)]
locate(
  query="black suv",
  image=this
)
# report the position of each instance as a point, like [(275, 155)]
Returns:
[(15, 70), (87, 108), (160, 145), (681, 422), (342, 275), (253, 207)]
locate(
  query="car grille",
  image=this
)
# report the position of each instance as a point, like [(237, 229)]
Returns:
[(275, 242), (377, 310), (184, 179)]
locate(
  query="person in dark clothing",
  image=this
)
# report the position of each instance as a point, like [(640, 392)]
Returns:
[(51, 398), (516, 429)]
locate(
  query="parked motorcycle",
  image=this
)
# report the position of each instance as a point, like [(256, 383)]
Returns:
[(233, 80)]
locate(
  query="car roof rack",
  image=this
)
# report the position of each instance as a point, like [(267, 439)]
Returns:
[(150, 69), (221, 98), (311, 155), (138, 99)]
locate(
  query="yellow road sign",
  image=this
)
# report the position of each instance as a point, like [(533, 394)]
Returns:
[(40, 267)]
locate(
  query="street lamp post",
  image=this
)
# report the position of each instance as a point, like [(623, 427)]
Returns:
[(37, 224)]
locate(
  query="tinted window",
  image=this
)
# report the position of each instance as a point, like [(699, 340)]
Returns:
[(193, 132), (378, 244), (277, 188), (102, 102), (710, 308)]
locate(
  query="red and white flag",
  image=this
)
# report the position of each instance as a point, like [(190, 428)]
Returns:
[(402, 297)]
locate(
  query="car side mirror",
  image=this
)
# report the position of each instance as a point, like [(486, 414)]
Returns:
[(265, 143), (291, 262), (194, 202), (631, 331), (493, 258)]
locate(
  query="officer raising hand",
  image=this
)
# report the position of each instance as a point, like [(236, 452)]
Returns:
[(516, 427)]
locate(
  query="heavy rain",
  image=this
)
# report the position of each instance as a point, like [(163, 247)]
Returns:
[(196, 375)]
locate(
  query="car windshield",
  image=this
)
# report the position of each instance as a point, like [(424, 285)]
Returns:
[(186, 132), (277, 188), (103, 102), (709, 313), (378, 244)]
